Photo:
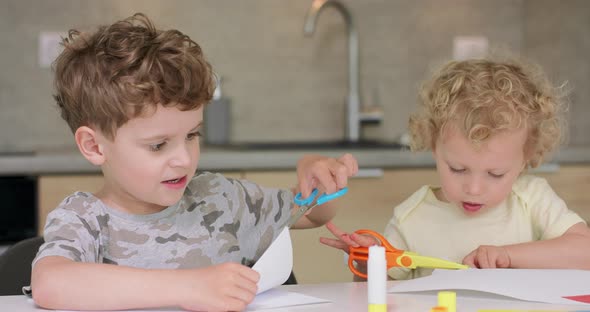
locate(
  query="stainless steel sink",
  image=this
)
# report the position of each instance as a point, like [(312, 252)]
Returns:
[(317, 145)]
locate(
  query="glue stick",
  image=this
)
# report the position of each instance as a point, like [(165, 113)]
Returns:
[(377, 279)]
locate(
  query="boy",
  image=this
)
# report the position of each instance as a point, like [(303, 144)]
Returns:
[(156, 234), (485, 122)]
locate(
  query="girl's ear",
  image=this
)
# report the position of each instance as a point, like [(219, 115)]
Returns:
[(88, 142)]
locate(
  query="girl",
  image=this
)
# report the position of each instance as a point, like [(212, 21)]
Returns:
[(485, 122)]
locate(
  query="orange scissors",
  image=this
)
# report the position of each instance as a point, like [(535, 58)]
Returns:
[(397, 257)]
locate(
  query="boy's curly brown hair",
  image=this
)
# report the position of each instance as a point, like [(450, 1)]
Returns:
[(484, 97), (109, 76)]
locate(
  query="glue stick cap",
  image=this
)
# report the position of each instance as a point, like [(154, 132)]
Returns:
[(448, 299)]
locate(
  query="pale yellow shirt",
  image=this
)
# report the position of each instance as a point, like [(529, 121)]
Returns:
[(430, 227)]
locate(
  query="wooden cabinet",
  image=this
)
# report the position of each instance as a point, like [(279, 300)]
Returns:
[(572, 184), (369, 204), (54, 188)]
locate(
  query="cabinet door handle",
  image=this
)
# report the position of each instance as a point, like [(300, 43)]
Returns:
[(546, 168), (369, 173)]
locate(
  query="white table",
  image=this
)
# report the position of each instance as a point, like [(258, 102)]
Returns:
[(353, 297)]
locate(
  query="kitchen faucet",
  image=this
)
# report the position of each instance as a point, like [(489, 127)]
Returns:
[(354, 116)]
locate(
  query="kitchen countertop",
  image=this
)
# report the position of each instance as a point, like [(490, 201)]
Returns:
[(219, 159)]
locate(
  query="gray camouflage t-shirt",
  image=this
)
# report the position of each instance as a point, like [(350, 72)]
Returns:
[(217, 220)]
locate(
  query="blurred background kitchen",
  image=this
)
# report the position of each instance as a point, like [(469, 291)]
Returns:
[(293, 84), (280, 85)]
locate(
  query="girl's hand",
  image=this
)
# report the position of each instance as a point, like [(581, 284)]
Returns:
[(345, 240), (488, 257)]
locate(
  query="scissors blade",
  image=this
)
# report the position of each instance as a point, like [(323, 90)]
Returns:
[(298, 214), (434, 263), (307, 204)]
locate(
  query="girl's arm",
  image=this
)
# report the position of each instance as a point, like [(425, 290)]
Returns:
[(569, 251), (548, 211), (344, 241)]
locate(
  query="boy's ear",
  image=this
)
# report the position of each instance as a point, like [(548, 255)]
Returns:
[(88, 142)]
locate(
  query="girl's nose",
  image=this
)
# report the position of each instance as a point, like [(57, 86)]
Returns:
[(473, 186)]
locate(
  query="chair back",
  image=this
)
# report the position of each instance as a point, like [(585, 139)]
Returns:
[(15, 266)]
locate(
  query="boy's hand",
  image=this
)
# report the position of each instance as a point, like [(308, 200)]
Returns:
[(222, 287), (344, 240), (327, 174), (488, 257)]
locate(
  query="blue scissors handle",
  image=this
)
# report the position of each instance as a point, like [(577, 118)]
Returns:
[(322, 199), (305, 201)]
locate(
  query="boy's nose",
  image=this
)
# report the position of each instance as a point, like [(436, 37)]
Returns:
[(181, 157)]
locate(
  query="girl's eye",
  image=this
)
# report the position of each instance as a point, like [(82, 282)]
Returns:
[(456, 170), (192, 135), (495, 175), (157, 147)]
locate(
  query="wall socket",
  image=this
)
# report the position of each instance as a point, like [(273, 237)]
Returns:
[(469, 47), (49, 47)]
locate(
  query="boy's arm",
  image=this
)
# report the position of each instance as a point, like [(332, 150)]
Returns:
[(60, 283), (318, 216), (327, 174)]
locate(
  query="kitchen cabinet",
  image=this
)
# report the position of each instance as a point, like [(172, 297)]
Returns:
[(368, 204), (572, 184), (53, 189)]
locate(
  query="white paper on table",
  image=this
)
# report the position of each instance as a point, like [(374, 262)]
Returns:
[(543, 285), (275, 265), (273, 298), (149, 310), (277, 298)]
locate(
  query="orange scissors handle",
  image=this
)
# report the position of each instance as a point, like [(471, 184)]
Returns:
[(394, 256)]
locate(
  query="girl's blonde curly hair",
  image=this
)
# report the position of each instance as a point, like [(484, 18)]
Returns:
[(484, 97)]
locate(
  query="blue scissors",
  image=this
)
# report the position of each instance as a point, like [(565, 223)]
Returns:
[(306, 204)]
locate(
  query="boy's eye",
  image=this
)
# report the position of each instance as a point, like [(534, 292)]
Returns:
[(192, 135), (157, 147), (455, 170), (493, 175)]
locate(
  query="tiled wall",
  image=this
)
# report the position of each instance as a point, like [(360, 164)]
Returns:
[(285, 86), (558, 37)]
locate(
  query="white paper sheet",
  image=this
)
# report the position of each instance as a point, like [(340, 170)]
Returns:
[(271, 299), (548, 286), (149, 310), (275, 265), (277, 298)]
